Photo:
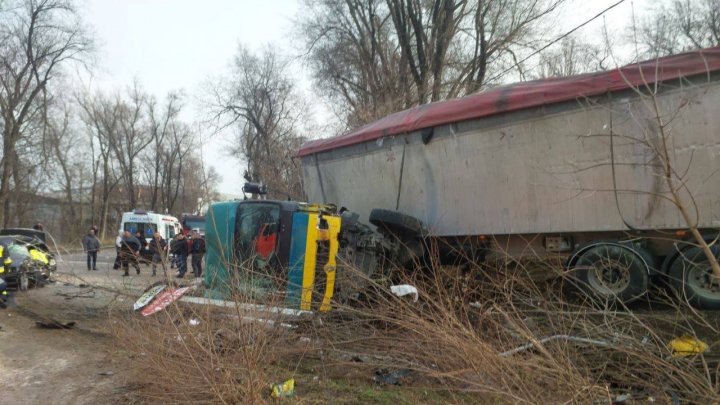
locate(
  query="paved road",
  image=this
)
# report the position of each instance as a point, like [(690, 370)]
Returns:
[(73, 268)]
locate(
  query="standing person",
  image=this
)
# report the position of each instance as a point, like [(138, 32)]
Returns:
[(143, 244), (180, 250), (91, 245), (197, 250), (158, 247), (129, 251), (118, 245)]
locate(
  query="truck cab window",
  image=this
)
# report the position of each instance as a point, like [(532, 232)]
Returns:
[(256, 233)]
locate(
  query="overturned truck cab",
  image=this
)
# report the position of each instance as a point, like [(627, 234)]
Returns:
[(289, 253)]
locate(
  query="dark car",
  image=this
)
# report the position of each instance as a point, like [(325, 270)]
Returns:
[(23, 270), (33, 239)]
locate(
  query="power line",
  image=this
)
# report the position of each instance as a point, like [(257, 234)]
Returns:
[(565, 35)]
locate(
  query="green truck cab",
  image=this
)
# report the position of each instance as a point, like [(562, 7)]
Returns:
[(273, 251)]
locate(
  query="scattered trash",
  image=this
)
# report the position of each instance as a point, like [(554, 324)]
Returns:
[(621, 398), (83, 285), (194, 322), (687, 345), (53, 324), (305, 339), (404, 289), (106, 373), (286, 389), (383, 376), (356, 359)]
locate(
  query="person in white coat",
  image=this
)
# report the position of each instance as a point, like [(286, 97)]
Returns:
[(118, 243)]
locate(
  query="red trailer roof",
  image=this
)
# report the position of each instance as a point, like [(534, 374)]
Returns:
[(518, 96)]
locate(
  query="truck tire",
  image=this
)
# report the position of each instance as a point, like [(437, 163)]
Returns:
[(612, 273), (691, 277), (396, 223)]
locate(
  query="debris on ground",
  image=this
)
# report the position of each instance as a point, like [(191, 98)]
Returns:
[(81, 294), (53, 324), (107, 373), (403, 290), (148, 296), (384, 376), (194, 322), (687, 345), (162, 300), (286, 389)]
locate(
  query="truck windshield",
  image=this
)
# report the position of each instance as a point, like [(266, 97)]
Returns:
[(256, 232)]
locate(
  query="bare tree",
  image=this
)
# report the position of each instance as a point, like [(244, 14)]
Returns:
[(101, 115), (398, 53), (175, 158), (355, 59), (162, 130), (68, 165), (260, 101), (679, 25), (572, 57), (131, 139), (38, 38)]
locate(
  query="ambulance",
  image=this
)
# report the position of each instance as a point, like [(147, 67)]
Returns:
[(148, 222)]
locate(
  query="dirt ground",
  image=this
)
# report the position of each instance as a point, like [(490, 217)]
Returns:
[(78, 365)]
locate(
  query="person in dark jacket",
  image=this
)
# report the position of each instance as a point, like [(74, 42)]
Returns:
[(91, 246), (180, 250), (158, 247), (129, 252), (143, 245), (197, 250)]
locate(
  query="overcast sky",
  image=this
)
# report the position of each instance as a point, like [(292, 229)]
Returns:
[(178, 44)]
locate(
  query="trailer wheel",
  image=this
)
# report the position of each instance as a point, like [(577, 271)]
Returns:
[(691, 277), (612, 273), (396, 223)]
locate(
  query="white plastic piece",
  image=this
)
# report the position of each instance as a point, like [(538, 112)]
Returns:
[(404, 289)]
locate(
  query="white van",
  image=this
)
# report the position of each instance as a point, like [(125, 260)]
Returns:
[(149, 222)]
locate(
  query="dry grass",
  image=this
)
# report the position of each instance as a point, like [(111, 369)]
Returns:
[(205, 354), (453, 340)]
